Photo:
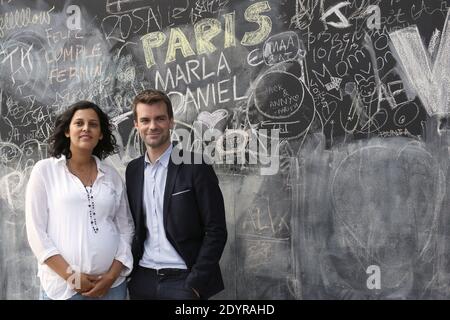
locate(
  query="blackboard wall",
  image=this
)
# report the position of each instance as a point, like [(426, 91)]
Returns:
[(357, 205)]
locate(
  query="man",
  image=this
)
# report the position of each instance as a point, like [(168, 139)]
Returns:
[(178, 212)]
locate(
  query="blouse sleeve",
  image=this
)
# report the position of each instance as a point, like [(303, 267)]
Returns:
[(36, 217), (125, 226)]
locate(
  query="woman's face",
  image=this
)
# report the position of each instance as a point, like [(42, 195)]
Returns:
[(84, 130)]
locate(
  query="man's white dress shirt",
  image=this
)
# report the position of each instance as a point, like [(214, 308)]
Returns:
[(158, 251)]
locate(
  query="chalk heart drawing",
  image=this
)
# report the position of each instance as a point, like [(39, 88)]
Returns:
[(211, 120)]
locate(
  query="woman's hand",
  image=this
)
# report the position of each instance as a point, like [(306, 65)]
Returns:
[(82, 282), (104, 282), (102, 285)]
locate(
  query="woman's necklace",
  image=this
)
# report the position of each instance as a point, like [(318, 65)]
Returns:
[(89, 193), (86, 179)]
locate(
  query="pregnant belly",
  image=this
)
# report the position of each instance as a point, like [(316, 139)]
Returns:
[(95, 254), (102, 252)]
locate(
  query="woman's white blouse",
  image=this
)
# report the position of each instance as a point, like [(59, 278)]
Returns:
[(58, 221)]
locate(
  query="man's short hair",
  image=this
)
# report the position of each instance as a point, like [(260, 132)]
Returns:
[(151, 96)]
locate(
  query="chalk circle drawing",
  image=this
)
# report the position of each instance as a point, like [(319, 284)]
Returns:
[(9, 152), (278, 95), (281, 101), (405, 114), (283, 47), (386, 200)]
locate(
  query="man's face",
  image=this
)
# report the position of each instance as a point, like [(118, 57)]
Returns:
[(153, 124)]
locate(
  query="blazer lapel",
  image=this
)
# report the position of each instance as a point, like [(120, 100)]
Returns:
[(172, 171), (139, 193)]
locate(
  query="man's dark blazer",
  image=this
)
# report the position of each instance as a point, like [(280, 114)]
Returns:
[(194, 219)]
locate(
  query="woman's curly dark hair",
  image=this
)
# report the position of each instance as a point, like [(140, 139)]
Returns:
[(60, 144)]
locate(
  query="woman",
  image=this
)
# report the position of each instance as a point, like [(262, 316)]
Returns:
[(78, 221)]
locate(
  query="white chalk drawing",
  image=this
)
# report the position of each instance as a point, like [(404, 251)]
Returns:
[(278, 95), (212, 120), (332, 84), (429, 78), (304, 13), (125, 6), (406, 114), (335, 10), (283, 47), (435, 39)]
